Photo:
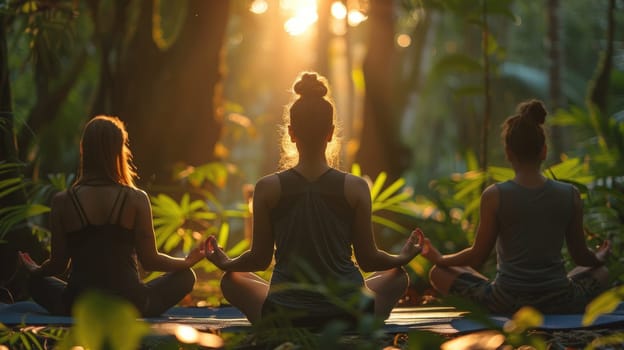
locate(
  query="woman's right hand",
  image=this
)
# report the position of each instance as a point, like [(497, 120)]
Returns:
[(215, 254), (413, 246), (603, 250), (28, 262), (430, 252)]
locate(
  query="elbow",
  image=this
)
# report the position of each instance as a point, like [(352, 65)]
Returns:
[(365, 263), (367, 268), (263, 262), (148, 264)]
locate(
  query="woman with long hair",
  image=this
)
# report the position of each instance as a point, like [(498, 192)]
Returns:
[(101, 225), (311, 218), (527, 220)]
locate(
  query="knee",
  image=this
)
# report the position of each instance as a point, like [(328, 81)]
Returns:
[(187, 279), (402, 277), (227, 280), (602, 275), (35, 284), (434, 276)]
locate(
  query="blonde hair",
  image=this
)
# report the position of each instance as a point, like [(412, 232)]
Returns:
[(310, 115), (105, 153)]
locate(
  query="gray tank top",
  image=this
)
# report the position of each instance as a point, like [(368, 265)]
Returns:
[(312, 228), (532, 224)]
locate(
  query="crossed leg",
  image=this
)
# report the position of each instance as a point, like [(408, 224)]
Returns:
[(388, 286), (442, 277), (248, 291)]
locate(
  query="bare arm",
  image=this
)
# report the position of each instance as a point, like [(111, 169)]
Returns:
[(368, 256), (485, 239), (59, 257), (147, 252), (575, 239), (259, 257)]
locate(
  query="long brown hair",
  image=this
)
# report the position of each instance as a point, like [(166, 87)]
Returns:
[(104, 152)]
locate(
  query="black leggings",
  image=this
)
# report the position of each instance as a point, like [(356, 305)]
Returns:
[(160, 294)]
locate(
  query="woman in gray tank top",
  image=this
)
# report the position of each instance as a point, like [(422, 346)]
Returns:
[(311, 217), (526, 220)]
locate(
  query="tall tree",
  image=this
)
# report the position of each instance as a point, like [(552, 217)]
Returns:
[(168, 94), (19, 237), (380, 146), (554, 73), (599, 88)]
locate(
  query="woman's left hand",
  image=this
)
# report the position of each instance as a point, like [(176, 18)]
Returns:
[(215, 254), (413, 246), (28, 262), (196, 255)]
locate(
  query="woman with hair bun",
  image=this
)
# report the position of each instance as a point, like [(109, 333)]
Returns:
[(103, 224), (311, 217), (527, 220)]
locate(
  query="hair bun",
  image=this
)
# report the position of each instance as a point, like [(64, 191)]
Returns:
[(533, 110), (310, 86)]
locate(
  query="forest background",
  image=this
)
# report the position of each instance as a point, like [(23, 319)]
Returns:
[(420, 87)]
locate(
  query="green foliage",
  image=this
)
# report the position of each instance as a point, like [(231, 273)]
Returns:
[(37, 193), (184, 223), (603, 304), (104, 322), (30, 337), (394, 198)]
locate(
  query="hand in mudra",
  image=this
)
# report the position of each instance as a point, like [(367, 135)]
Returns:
[(413, 246), (214, 253)]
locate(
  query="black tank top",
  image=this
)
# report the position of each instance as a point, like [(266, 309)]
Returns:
[(312, 228), (103, 257)]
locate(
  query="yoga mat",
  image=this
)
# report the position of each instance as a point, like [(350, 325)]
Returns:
[(551, 322)]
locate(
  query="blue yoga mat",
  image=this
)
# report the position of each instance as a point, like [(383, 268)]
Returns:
[(443, 319), (551, 322)]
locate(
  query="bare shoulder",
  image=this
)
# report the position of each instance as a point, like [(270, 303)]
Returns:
[(268, 189), (356, 189), (490, 192), (490, 197), (137, 196), (60, 199)]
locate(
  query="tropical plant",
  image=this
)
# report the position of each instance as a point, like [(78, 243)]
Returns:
[(38, 193), (31, 337)]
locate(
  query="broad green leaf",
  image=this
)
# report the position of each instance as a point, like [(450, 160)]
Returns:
[(603, 304), (238, 248), (378, 185), (390, 224), (395, 186), (500, 174), (224, 234), (525, 318), (102, 321), (401, 197)]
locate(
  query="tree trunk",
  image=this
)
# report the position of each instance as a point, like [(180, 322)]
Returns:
[(19, 238), (380, 146), (487, 105), (171, 99), (600, 87), (555, 75)]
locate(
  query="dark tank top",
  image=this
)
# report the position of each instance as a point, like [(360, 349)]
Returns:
[(312, 228), (103, 257)]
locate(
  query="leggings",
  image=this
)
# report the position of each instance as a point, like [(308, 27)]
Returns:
[(158, 295)]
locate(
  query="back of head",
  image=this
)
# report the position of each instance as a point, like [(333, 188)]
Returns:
[(523, 133), (310, 116), (104, 152)]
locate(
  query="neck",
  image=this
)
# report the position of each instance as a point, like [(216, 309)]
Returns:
[(312, 165), (528, 175)]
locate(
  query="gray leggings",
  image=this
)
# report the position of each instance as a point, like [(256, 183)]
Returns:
[(159, 294)]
